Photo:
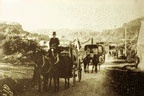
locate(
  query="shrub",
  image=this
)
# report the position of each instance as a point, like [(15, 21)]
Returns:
[(14, 46)]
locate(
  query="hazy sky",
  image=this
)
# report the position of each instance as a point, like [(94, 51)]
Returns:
[(70, 14)]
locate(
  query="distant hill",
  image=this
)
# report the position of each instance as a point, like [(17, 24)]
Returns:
[(132, 28), (14, 28), (109, 35)]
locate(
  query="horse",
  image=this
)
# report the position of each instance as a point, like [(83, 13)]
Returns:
[(86, 62), (62, 67), (54, 69), (40, 67), (46, 67), (95, 61)]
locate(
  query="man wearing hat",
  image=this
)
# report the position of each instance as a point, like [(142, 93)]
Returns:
[(54, 42)]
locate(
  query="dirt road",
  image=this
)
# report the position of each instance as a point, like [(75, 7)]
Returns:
[(104, 83), (92, 84), (107, 82)]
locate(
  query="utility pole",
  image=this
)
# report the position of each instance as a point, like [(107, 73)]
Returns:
[(125, 41), (92, 40)]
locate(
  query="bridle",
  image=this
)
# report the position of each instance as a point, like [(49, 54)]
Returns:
[(54, 54)]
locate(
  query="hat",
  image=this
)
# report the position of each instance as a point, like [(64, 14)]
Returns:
[(54, 33)]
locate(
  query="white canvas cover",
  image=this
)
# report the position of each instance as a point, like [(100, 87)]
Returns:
[(140, 46)]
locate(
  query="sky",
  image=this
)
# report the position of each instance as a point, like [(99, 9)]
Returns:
[(70, 14)]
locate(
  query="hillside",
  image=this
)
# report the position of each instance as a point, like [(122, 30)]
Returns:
[(109, 35), (8, 29)]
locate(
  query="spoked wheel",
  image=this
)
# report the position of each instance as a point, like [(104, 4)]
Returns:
[(79, 71), (79, 75), (74, 77)]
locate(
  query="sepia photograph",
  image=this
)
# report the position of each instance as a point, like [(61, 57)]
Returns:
[(71, 47)]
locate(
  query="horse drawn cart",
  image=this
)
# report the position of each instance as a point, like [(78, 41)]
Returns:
[(94, 55), (69, 62)]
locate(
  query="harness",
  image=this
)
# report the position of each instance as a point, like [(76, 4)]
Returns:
[(51, 57)]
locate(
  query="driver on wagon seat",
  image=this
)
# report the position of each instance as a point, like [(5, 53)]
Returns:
[(54, 42)]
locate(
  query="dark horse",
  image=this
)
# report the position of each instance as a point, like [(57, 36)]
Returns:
[(86, 62), (38, 57), (51, 66), (53, 71), (94, 60), (46, 66), (60, 67)]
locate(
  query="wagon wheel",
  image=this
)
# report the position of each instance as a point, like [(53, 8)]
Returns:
[(79, 71), (74, 77)]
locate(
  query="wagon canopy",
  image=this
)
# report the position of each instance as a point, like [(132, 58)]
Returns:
[(90, 47), (112, 46), (62, 48)]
